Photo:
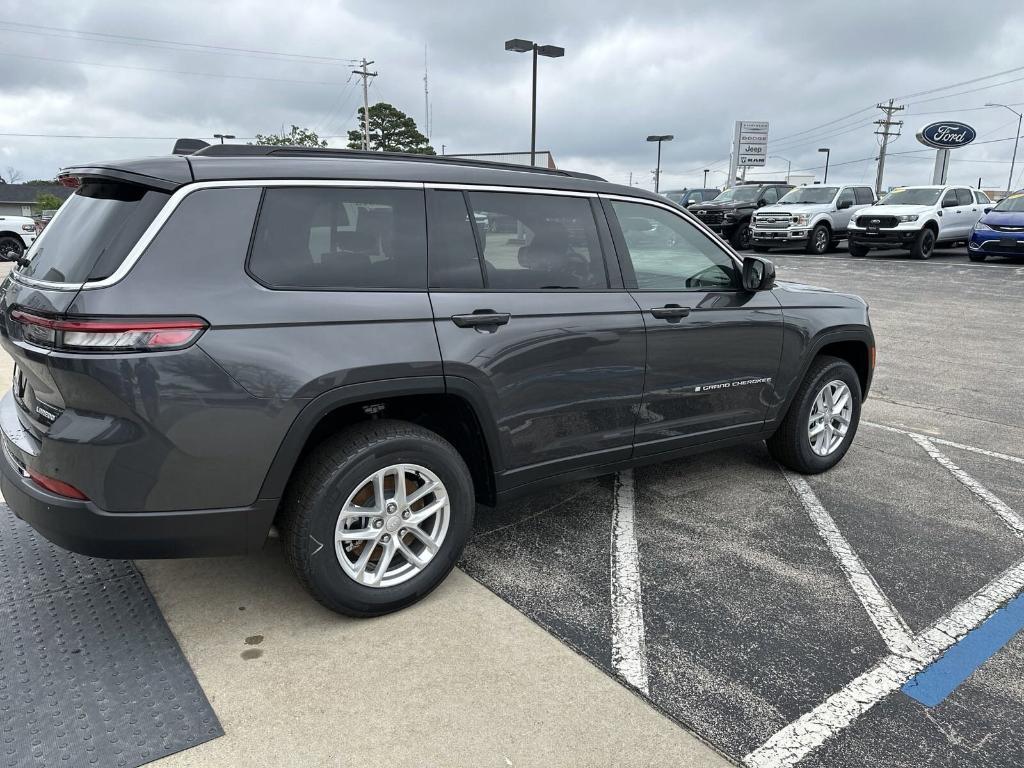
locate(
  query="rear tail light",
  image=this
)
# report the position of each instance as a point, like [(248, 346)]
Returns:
[(53, 485), (109, 334), (72, 182)]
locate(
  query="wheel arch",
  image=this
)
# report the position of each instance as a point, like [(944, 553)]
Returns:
[(455, 415)]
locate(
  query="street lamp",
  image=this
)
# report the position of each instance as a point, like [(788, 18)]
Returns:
[(223, 136), (827, 152), (706, 171), (552, 52), (789, 165), (1009, 183), (657, 170)]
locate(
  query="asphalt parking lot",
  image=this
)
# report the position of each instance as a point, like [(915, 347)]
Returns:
[(769, 606), (708, 611)]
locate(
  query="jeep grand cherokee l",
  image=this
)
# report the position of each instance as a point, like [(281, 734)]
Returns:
[(327, 340)]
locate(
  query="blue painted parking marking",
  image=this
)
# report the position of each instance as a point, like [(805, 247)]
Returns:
[(937, 681)]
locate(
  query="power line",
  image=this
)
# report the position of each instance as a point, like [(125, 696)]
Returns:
[(957, 85), (168, 71), (156, 42)]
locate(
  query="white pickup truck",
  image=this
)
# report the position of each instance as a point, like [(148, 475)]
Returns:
[(813, 217), (17, 233), (918, 219)]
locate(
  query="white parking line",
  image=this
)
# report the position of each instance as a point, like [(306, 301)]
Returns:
[(629, 644), (798, 739), (880, 610), (1007, 515), (950, 443)]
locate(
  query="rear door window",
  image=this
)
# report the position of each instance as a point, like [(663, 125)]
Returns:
[(864, 196), (92, 233), (538, 242), (340, 238), (964, 197), (981, 197)]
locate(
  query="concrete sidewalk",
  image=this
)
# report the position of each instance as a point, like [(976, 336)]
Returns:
[(461, 679)]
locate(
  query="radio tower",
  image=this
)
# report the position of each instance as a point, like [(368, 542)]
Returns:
[(885, 130)]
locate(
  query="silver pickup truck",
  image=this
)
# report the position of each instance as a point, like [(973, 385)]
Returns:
[(814, 218)]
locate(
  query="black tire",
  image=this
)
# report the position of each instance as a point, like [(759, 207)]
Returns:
[(857, 251), (761, 249), (11, 248), (324, 482), (924, 245), (833, 245), (791, 445), (975, 256), (740, 237), (817, 242)]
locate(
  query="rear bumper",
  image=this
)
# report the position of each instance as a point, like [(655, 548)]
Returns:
[(81, 526), (886, 238)]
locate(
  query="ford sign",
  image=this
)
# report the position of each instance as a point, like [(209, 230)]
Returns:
[(947, 135)]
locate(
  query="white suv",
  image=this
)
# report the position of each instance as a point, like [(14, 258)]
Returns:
[(17, 233), (812, 217), (918, 219)]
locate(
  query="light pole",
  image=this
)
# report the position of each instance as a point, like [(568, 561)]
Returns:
[(1013, 162), (657, 170), (552, 52), (827, 152), (223, 136), (706, 171), (789, 165)]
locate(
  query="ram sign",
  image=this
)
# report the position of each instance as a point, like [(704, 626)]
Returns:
[(947, 134)]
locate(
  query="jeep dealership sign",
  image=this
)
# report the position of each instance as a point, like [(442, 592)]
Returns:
[(948, 134)]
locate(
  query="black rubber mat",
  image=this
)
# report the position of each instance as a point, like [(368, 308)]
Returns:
[(90, 673)]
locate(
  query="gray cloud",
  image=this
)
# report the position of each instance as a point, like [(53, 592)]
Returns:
[(629, 70)]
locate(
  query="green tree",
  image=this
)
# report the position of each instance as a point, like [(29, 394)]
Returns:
[(296, 137), (47, 202), (391, 130)]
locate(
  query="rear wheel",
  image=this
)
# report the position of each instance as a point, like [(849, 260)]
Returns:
[(11, 248), (740, 237), (856, 250), (818, 242), (822, 419), (377, 516), (924, 244)]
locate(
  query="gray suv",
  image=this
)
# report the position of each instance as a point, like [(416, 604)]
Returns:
[(362, 347)]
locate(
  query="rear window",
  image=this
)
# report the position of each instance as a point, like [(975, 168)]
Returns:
[(93, 232), (340, 238)]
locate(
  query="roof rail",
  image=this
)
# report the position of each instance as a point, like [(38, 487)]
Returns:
[(256, 150)]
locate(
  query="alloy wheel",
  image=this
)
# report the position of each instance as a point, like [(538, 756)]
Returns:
[(392, 525), (831, 413)]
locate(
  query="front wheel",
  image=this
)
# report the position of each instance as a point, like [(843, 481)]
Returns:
[(975, 256), (822, 419), (377, 516), (856, 250), (818, 242), (740, 237), (11, 248), (924, 244), (761, 249)]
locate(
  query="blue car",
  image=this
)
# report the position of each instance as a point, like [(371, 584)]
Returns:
[(1000, 231)]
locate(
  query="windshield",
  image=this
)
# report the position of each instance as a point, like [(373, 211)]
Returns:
[(809, 195), (92, 233), (1012, 204), (738, 195), (911, 196)]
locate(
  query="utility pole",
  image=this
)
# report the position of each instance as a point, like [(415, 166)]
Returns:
[(885, 126), (364, 73)]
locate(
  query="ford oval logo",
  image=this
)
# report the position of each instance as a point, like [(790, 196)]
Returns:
[(948, 134)]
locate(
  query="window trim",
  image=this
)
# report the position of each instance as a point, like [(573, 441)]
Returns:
[(622, 250)]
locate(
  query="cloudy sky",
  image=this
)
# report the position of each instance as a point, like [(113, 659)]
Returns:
[(153, 71)]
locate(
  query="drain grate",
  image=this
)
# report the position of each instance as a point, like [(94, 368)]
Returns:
[(90, 674)]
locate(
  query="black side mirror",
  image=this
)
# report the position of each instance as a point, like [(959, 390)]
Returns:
[(988, 210), (758, 274), (762, 202), (844, 204)]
